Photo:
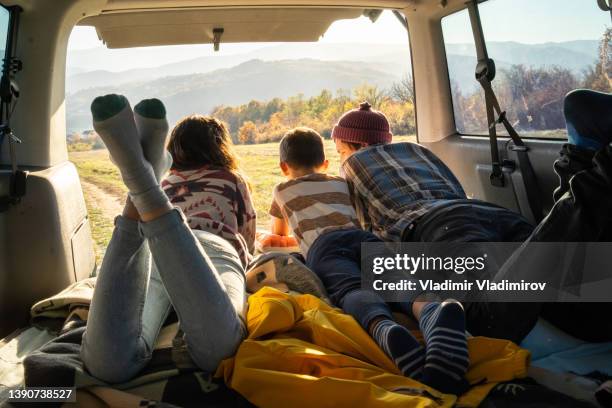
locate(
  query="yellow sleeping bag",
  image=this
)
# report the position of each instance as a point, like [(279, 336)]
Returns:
[(301, 352)]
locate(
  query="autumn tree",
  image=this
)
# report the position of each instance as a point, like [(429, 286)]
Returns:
[(268, 121), (535, 95), (599, 77), (247, 133), (371, 93), (403, 90), (272, 130), (294, 107)]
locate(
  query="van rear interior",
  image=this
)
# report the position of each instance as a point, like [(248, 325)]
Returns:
[(45, 236)]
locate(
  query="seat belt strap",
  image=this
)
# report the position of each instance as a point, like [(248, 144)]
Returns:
[(528, 174), (497, 176), (485, 73)]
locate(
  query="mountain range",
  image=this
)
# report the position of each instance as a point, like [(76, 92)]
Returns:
[(199, 84), (255, 79)]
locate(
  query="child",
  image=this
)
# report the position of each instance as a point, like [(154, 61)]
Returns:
[(154, 261), (205, 183), (317, 208)]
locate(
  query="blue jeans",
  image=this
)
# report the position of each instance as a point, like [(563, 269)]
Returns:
[(147, 269), (336, 259)]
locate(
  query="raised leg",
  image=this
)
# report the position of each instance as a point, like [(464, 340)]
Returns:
[(336, 259), (205, 281), (128, 308)]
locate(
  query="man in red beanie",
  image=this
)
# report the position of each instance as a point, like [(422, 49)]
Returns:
[(402, 192)]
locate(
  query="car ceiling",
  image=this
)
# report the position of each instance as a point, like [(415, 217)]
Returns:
[(196, 26)]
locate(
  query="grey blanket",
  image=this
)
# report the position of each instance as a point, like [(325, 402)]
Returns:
[(169, 380)]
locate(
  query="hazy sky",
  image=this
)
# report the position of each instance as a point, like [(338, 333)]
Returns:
[(531, 21)]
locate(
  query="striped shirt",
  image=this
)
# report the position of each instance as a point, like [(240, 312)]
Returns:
[(218, 201), (313, 205), (394, 184)]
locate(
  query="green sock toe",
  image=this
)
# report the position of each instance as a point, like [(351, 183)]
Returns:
[(107, 106), (151, 109)]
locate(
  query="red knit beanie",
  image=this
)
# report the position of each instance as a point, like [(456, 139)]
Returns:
[(364, 126)]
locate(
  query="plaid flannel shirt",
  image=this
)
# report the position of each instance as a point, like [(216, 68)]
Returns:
[(393, 184)]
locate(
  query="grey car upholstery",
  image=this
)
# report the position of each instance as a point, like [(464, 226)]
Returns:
[(47, 242)]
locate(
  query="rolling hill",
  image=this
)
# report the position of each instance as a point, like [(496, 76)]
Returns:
[(88, 68), (96, 67), (255, 79)]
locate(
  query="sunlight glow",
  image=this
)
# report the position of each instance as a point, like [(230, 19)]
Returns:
[(387, 29)]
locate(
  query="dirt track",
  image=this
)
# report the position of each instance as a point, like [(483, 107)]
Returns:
[(108, 204)]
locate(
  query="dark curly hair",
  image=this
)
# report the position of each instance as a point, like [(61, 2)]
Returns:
[(197, 141)]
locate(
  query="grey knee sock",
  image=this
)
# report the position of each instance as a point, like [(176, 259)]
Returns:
[(114, 121), (150, 117)]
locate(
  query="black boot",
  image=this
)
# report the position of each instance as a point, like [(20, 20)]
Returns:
[(572, 159)]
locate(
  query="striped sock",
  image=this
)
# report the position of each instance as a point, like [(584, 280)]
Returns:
[(447, 359), (397, 342)]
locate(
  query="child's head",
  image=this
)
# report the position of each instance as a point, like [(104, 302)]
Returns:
[(197, 141), (359, 128), (302, 153)]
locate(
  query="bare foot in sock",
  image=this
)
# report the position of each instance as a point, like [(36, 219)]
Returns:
[(114, 121), (150, 118), (399, 345), (447, 357)]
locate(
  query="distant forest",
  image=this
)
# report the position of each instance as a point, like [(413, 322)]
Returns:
[(262, 122)]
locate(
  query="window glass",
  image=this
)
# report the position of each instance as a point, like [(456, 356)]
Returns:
[(542, 50), (4, 26), (260, 90)]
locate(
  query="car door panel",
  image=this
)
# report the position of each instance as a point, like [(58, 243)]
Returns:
[(469, 157)]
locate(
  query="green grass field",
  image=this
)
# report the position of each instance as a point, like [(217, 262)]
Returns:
[(258, 162)]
